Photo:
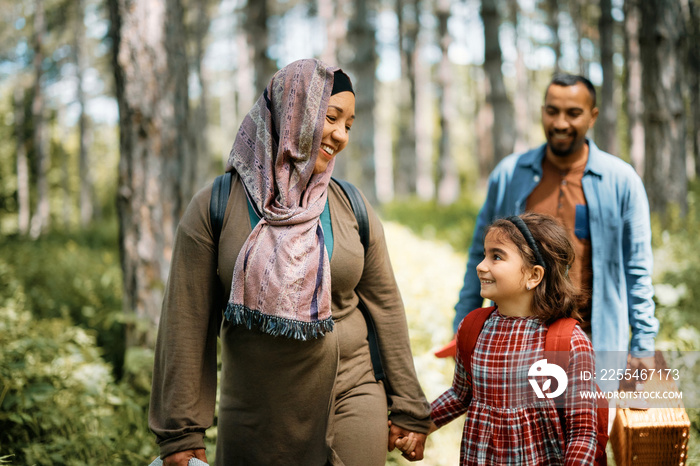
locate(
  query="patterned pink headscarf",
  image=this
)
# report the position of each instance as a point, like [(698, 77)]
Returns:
[(281, 280)]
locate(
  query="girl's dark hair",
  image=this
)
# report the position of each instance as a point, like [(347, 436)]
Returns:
[(556, 296)]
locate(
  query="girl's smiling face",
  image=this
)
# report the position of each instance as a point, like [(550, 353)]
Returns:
[(502, 272)]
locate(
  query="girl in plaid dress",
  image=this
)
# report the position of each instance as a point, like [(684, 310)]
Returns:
[(525, 273)]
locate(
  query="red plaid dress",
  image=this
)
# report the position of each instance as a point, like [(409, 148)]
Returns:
[(505, 421)]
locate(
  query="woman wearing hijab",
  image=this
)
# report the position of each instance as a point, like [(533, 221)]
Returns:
[(297, 385)]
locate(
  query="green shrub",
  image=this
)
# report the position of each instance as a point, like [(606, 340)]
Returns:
[(75, 276), (59, 403), (677, 296)]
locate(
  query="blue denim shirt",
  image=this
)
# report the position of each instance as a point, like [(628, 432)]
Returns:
[(620, 233)]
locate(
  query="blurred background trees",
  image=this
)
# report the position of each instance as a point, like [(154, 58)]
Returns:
[(113, 113)]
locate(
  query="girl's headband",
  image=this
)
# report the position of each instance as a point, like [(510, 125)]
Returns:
[(527, 234)]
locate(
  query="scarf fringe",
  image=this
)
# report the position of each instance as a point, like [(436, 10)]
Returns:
[(239, 314)]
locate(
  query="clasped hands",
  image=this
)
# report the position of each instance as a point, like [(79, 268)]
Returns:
[(410, 443)]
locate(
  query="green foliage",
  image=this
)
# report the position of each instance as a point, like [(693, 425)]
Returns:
[(59, 403), (677, 296), (452, 223), (73, 276), (677, 286)]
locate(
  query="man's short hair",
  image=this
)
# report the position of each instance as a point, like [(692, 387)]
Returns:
[(567, 80)]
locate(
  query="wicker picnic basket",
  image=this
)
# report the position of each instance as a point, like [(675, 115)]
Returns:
[(657, 435)]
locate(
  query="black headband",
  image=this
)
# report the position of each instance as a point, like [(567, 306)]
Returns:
[(341, 83), (527, 234)]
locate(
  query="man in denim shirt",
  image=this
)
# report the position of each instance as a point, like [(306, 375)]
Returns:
[(602, 202)]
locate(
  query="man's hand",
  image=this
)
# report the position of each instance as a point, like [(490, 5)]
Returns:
[(648, 364), (181, 458), (633, 364), (410, 443)]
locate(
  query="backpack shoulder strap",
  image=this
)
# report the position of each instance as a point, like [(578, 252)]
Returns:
[(557, 342), (468, 334), (359, 209), (557, 346), (220, 192)]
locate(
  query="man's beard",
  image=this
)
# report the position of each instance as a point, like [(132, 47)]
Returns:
[(563, 152)]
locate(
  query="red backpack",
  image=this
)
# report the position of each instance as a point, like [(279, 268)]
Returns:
[(558, 339)]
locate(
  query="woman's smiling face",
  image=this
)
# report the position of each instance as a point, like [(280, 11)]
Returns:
[(339, 119)]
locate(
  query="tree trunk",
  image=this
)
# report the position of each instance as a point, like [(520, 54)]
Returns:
[(258, 40), (360, 151), (407, 152), (577, 8), (423, 119), (633, 86), (41, 218), (422, 113), (64, 159), (200, 114), (661, 40), (690, 8), (503, 128), (336, 29), (483, 127), (245, 91), (86, 187), (387, 96), (521, 99), (448, 180), (151, 82), (23, 212), (606, 127), (553, 23)]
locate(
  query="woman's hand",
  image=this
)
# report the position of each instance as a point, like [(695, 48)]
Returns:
[(181, 458), (410, 443)]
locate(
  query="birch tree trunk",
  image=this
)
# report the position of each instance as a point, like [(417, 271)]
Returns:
[(633, 86), (151, 71), (661, 46), (606, 127), (40, 220), (503, 127), (23, 213), (362, 68)]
